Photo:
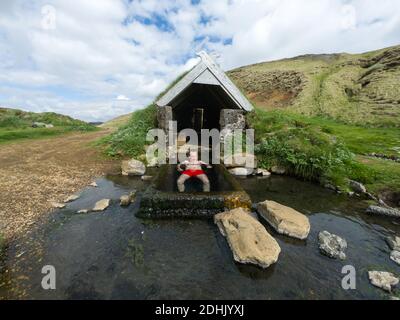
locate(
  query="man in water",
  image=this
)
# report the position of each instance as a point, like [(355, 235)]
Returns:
[(193, 170)]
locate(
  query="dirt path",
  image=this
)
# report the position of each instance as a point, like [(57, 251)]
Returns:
[(35, 173)]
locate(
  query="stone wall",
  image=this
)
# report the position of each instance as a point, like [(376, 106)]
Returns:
[(164, 116), (232, 119)]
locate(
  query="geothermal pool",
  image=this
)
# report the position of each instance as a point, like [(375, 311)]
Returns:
[(115, 255)]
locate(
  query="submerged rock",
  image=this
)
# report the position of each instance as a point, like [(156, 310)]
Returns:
[(389, 212), (133, 168), (383, 280), (101, 205), (247, 238), (395, 256), (127, 199), (357, 187), (393, 243), (332, 245), (71, 198), (284, 220), (278, 170), (241, 171), (239, 160)]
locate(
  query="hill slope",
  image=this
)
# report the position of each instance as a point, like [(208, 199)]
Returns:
[(358, 89), (17, 124)]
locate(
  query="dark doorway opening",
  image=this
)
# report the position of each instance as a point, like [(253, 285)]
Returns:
[(199, 107)]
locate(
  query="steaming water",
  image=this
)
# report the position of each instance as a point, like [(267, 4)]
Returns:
[(114, 255)]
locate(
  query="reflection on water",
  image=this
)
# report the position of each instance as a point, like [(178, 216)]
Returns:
[(114, 255)]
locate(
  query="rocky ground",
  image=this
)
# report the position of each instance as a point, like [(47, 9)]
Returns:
[(35, 173)]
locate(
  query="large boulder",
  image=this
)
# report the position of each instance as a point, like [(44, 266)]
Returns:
[(332, 245), (383, 280), (247, 238), (389, 212), (284, 220), (133, 168)]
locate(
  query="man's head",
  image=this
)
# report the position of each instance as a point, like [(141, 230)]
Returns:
[(193, 156)]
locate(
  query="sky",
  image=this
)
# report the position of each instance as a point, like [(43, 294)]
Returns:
[(97, 59)]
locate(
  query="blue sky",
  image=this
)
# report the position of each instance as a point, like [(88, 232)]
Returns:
[(101, 58)]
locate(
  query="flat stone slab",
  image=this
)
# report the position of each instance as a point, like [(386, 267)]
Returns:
[(101, 205), (71, 198), (249, 241), (284, 220)]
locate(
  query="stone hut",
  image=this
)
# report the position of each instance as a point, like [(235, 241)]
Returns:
[(205, 98)]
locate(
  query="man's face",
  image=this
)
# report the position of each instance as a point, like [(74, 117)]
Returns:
[(193, 156)]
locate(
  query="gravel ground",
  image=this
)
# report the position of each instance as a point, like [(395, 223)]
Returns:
[(35, 173)]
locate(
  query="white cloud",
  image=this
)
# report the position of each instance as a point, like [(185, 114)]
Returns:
[(121, 97), (91, 60)]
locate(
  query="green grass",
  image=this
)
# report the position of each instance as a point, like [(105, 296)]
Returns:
[(17, 125), (11, 135), (130, 139), (320, 149)]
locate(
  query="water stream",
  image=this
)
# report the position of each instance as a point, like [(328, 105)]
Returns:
[(115, 255)]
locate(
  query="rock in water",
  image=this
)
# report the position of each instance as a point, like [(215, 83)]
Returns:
[(278, 170), (284, 220), (383, 280), (93, 184), (147, 178), (263, 173), (383, 211), (101, 205), (57, 205), (71, 198), (240, 160), (395, 256), (393, 243), (332, 245), (247, 238), (83, 211), (241, 171), (125, 200), (133, 168), (357, 187)]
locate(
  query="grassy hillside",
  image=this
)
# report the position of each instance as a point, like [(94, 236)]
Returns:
[(358, 89), (17, 124), (117, 122)]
